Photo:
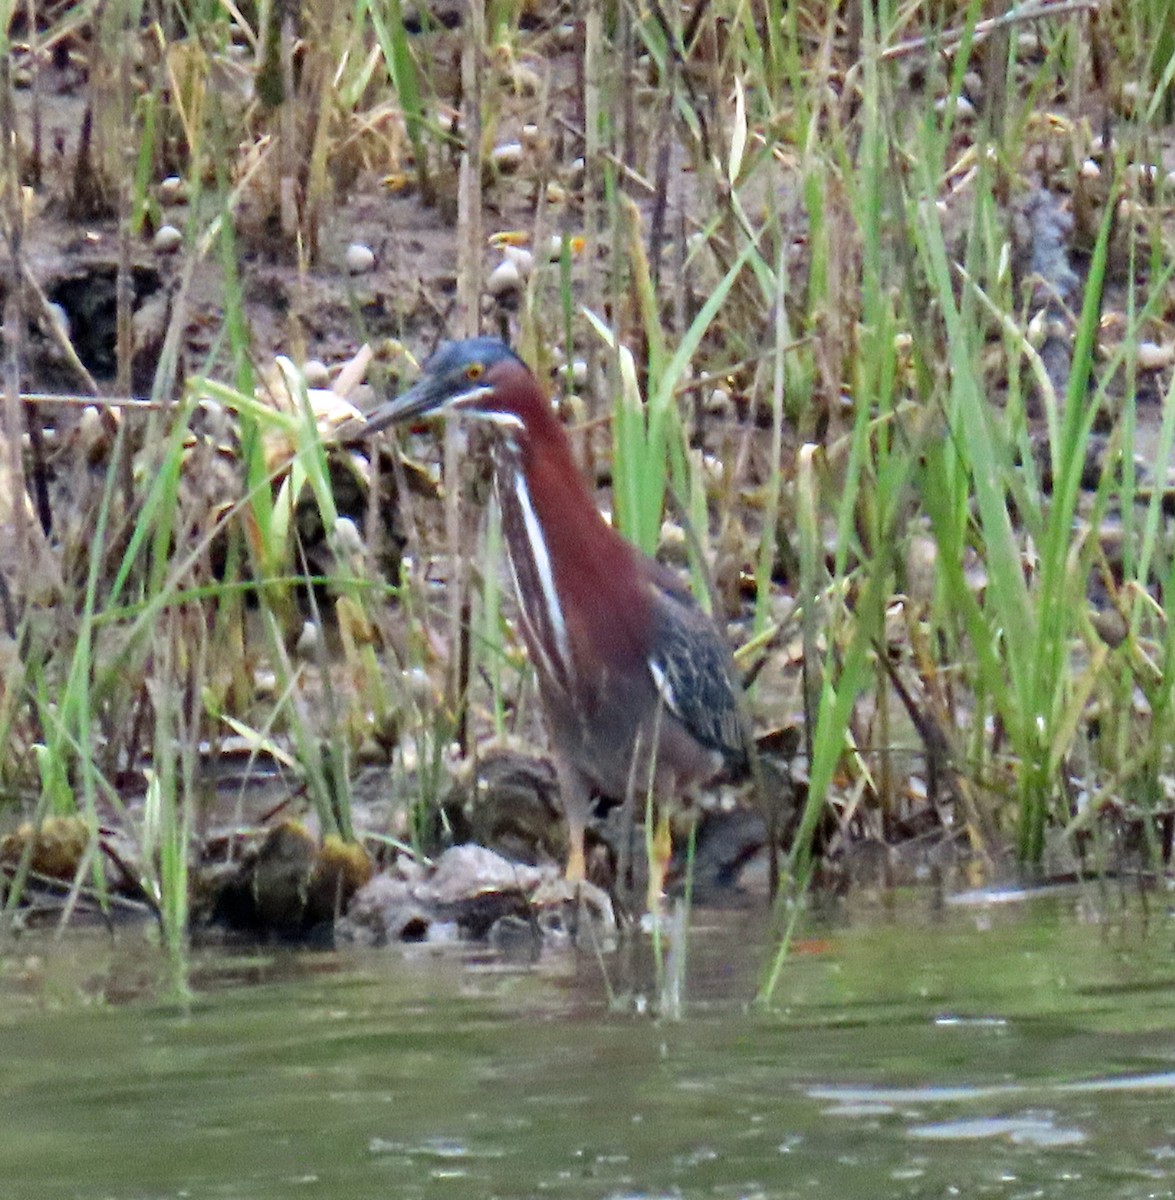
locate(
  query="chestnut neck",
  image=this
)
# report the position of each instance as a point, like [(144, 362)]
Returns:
[(597, 572)]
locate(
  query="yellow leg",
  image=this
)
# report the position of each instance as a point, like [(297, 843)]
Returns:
[(576, 864), (577, 802), (662, 852)]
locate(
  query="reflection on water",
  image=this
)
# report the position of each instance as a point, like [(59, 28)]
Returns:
[(1025, 1129), (1021, 1051)]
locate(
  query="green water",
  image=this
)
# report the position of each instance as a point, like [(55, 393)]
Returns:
[(1018, 1051)]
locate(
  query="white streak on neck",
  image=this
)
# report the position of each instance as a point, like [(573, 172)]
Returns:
[(550, 621)]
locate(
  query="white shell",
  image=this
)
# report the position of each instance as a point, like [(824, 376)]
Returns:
[(1152, 356), (167, 239), (555, 247), (522, 259), (718, 403), (360, 258), (347, 538), (1136, 173), (508, 157), (172, 190), (309, 640), (964, 109), (504, 279), (315, 374)]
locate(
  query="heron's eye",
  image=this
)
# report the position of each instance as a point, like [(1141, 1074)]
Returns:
[(474, 372)]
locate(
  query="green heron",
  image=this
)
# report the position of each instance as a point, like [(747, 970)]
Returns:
[(637, 682)]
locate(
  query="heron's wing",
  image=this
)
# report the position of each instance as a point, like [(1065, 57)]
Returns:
[(693, 670)]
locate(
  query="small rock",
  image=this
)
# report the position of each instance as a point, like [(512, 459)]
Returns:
[(1110, 625), (59, 844), (382, 911), (463, 872), (515, 936), (167, 240), (470, 893), (360, 258)]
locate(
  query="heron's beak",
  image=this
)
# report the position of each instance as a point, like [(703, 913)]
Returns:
[(428, 396)]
